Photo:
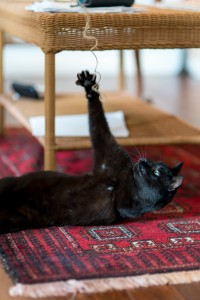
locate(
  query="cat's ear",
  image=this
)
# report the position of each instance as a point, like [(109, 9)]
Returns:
[(176, 169), (175, 183)]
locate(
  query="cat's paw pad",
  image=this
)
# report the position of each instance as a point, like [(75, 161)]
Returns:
[(86, 79)]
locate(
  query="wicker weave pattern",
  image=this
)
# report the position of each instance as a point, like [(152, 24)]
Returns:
[(152, 28)]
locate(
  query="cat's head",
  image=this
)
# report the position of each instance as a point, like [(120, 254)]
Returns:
[(155, 184)]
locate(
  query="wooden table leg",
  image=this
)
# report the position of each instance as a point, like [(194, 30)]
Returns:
[(1, 81), (49, 149), (139, 87), (139, 75), (121, 71)]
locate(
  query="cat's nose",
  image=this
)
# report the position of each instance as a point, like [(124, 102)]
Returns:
[(144, 165), (144, 161)]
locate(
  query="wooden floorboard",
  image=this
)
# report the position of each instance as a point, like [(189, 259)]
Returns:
[(189, 291), (107, 296), (167, 292)]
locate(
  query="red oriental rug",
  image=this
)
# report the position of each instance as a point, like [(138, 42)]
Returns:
[(158, 248)]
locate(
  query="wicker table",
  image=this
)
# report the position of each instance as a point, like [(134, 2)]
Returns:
[(152, 28)]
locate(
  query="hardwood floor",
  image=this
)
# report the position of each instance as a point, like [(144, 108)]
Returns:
[(179, 95)]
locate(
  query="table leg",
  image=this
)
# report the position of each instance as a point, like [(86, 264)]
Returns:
[(1, 82), (139, 75), (49, 149), (121, 71)]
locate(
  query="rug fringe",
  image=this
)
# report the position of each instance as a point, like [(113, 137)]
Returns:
[(72, 287)]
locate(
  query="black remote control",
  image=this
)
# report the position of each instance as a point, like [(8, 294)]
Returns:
[(104, 3)]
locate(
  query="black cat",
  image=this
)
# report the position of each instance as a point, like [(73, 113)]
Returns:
[(116, 189)]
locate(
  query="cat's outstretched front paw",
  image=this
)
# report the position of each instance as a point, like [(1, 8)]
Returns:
[(86, 79)]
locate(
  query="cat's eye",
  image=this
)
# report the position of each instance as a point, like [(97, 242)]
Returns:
[(156, 172)]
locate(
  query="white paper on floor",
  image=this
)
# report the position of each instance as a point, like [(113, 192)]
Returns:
[(77, 125)]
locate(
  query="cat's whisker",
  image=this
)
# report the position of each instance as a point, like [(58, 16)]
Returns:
[(145, 152), (139, 154), (142, 152), (133, 154)]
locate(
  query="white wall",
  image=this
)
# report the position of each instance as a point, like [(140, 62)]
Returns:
[(25, 60)]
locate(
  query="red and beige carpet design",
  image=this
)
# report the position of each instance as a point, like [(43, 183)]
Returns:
[(162, 242)]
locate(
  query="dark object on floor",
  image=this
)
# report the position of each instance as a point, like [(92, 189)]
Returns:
[(27, 91), (104, 3)]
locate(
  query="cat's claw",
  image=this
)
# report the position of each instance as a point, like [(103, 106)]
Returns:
[(86, 79)]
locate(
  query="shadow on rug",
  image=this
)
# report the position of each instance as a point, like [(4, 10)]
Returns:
[(83, 259)]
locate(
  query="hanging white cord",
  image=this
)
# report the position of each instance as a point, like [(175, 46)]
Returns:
[(95, 46)]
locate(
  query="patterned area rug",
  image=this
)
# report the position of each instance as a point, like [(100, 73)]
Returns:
[(83, 259)]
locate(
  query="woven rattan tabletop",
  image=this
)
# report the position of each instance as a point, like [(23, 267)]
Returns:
[(150, 28)]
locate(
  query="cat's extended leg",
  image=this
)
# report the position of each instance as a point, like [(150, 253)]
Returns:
[(103, 142)]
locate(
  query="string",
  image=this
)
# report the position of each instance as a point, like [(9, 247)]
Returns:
[(95, 46)]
